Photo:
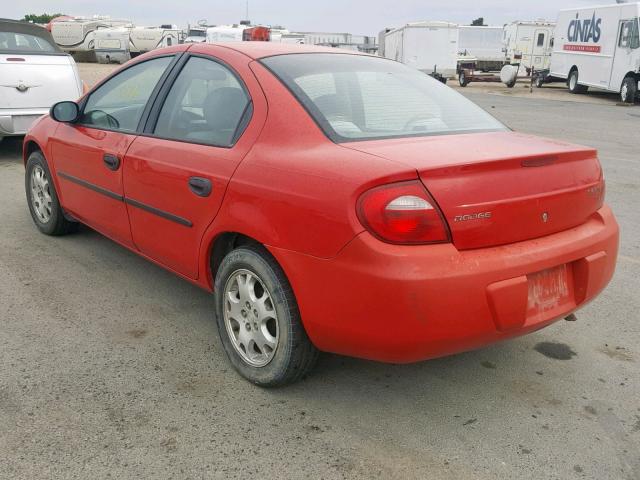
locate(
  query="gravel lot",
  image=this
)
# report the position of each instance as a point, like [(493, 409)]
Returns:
[(111, 366)]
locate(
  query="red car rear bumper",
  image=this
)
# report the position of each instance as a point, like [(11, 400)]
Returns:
[(409, 303)]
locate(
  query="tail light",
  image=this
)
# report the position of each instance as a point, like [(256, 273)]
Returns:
[(402, 213)]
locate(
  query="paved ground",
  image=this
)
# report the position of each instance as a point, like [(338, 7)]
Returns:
[(111, 367)]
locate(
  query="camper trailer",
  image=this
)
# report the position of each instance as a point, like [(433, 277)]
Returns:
[(77, 35), (426, 46), (598, 47), (485, 44), (118, 45), (226, 33), (529, 44), (111, 45)]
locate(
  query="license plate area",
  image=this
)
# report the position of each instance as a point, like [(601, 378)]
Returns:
[(549, 290)]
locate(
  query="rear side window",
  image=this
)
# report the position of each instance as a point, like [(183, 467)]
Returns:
[(206, 104), (541, 40), (118, 104), (357, 97), (11, 42)]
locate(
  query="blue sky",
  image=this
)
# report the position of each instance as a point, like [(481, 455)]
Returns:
[(359, 17)]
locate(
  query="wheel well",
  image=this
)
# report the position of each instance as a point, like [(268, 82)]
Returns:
[(29, 148), (572, 69), (631, 75), (223, 244)]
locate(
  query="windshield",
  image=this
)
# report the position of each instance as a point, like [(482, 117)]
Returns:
[(196, 33), (358, 97), (13, 42)]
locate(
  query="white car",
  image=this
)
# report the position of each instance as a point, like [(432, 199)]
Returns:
[(34, 74)]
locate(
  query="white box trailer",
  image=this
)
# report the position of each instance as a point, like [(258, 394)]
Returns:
[(529, 44), (483, 43), (598, 47), (425, 46)]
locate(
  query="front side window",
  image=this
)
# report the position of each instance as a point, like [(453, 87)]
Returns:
[(629, 35), (118, 104), (206, 104), (541, 39), (357, 97), (12, 42)]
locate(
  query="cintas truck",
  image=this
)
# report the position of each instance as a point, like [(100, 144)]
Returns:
[(597, 47)]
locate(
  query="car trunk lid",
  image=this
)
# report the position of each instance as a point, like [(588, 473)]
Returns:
[(501, 187), (37, 81)]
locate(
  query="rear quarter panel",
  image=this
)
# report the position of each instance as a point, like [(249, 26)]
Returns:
[(295, 189)]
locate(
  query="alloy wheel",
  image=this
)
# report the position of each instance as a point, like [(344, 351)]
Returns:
[(250, 318), (40, 194)]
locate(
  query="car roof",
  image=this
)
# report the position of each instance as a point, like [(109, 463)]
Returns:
[(257, 50), (18, 26)]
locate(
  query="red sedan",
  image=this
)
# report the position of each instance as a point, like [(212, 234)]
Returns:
[(332, 202)]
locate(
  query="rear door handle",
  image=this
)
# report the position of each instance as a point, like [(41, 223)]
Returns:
[(200, 186), (111, 161)]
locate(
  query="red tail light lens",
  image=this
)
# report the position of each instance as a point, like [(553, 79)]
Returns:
[(402, 213)]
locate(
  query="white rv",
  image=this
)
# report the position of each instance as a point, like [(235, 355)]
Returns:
[(599, 47), (226, 33), (118, 45), (484, 44), (529, 44), (77, 35), (426, 46)]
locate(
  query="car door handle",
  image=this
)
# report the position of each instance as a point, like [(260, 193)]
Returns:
[(111, 161), (200, 186)]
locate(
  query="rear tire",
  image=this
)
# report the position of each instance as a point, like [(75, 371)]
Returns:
[(629, 90), (42, 198), (258, 319), (539, 82), (574, 86)]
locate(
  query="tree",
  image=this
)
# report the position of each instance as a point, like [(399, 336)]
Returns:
[(478, 22), (43, 18)]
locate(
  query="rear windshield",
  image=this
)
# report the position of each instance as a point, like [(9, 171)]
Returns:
[(357, 97), (13, 42)]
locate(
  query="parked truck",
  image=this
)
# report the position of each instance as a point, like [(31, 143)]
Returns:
[(597, 47)]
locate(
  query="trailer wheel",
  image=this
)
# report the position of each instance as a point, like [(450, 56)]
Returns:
[(463, 79), (629, 90), (572, 83)]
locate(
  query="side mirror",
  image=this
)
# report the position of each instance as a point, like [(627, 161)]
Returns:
[(65, 111)]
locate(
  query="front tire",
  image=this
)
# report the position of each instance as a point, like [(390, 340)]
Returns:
[(42, 198), (629, 90), (258, 319)]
